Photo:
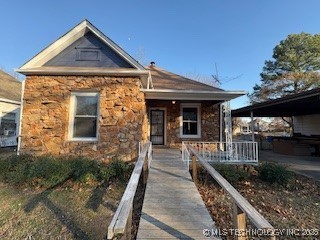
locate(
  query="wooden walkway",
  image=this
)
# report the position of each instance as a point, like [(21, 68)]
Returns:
[(172, 207)]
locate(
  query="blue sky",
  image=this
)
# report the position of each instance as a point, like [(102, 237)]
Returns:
[(183, 36)]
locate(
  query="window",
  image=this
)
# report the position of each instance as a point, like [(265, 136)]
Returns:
[(190, 121), (84, 116), (8, 124)]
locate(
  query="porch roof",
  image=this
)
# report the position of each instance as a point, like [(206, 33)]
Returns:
[(174, 94), (162, 79)]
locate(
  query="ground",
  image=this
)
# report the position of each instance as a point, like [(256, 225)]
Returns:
[(65, 212), (296, 206), (305, 165)]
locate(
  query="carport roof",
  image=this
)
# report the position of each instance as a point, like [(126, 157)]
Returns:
[(305, 103)]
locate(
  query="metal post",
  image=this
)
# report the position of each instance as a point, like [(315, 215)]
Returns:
[(221, 126), (252, 126)]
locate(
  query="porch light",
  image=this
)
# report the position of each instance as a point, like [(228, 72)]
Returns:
[(173, 102)]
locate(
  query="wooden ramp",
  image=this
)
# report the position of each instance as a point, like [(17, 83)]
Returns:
[(172, 207)]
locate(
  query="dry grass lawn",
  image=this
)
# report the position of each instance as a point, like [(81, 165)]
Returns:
[(68, 211)]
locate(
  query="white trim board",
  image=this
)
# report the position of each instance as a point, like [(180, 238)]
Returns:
[(173, 94)]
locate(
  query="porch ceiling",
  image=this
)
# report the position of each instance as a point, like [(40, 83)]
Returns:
[(170, 94)]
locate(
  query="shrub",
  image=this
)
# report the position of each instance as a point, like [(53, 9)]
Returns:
[(84, 170), (274, 173), (14, 169), (48, 171), (231, 172), (116, 169)]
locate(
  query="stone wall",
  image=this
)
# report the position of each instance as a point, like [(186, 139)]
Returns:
[(122, 121), (209, 121)]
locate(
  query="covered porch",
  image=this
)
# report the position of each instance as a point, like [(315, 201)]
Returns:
[(183, 110)]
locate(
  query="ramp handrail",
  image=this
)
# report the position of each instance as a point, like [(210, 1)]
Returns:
[(122, 219), (241, 207)]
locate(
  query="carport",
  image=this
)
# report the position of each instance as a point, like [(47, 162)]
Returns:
[(306, 104)]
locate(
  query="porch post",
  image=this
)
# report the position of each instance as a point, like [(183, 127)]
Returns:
[(221, 126), (252, 126)]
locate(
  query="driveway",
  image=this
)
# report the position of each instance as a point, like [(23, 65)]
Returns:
[(304, 165)]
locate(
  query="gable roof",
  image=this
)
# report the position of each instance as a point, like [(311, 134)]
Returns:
[(10, 87), (36, 64), (162, 79)]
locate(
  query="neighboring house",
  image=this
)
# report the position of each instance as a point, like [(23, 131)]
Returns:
[(259, 125), (85, 95), (240, 126), (10, 97), (244, 127)]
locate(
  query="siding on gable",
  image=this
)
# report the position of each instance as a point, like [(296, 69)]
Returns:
[(88, 51), (307, 124)]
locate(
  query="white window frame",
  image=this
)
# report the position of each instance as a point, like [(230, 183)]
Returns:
[(72, 116), (190, 105)]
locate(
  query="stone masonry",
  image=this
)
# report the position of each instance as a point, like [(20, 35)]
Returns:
[(122, 119), (209, 121)]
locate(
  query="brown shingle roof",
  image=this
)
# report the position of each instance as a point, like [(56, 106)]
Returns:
[(166, 80), (10, 88)]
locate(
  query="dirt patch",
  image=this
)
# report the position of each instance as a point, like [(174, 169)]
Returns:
[(295, 206)]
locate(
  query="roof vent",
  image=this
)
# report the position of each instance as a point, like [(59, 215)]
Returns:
[(152, 63)]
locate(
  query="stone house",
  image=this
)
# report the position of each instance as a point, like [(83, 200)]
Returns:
[(83, 94)]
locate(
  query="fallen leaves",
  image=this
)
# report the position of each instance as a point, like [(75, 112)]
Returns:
[(293, 206)]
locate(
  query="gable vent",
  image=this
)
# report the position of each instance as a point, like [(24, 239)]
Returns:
[(88, 54)]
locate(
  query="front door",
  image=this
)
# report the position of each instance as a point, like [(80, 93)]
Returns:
[(157, 127)]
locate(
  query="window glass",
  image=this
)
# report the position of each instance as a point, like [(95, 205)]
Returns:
[(86, 105), (190, 114), (8, 124), (190, 121), (85, 115), (85, 127)]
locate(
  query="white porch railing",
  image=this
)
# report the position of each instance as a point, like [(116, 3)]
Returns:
[(222, 152)]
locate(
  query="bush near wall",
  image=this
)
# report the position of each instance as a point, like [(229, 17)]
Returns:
[(232, 173), (274, 173), (48, 171)]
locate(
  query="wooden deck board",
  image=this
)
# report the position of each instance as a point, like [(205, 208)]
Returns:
[(172, 208)]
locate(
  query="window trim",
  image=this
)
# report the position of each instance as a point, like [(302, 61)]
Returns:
[(73, 115), (190, 105)]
